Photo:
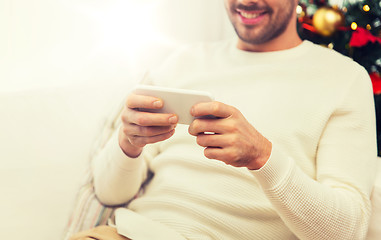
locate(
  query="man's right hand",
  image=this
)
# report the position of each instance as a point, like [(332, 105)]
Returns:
[(142, 128)]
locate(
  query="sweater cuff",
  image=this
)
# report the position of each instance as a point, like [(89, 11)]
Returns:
[(276, 169), (123, 161)]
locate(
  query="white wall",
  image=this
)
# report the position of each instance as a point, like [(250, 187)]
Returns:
[(70, 42), (54, 43)]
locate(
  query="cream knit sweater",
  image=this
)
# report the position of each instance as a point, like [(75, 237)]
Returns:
[(313, 104)]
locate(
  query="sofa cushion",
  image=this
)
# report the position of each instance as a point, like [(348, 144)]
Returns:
[(46, 137)]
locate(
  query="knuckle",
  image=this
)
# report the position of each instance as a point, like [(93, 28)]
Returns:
[(190, 130), (236, 155), (200, 141), (234, 109), (132, 140), (228, 155), (232, 127), (234, 140), (235, 129), (155, 139), (137, 141), (144, 131), (216, 107), (124, 118), (129, 101), (232, 155), (141, 121), (125, 131), (140, 144), (196, 123), (208, 153), (193, 129)]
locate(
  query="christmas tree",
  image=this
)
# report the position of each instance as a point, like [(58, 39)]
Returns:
[(353, 29)]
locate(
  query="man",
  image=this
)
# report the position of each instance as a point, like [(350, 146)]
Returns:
[(293, 154)]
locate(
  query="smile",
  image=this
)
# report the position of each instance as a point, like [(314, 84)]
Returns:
[(251, 17)]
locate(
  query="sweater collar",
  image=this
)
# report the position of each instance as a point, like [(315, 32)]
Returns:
[(287, 54)]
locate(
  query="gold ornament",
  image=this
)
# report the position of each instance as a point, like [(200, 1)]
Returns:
[(326, 20), (354, 26)]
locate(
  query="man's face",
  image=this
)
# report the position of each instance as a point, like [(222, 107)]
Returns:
[(258, 22)]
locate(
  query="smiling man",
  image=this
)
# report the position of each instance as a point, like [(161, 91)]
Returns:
[(292, 156)]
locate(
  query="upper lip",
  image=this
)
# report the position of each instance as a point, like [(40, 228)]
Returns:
[(258, 11)]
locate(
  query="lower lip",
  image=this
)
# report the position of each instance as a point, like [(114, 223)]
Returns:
[(251, 21)]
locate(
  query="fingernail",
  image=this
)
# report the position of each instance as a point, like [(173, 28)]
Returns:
[(173, 120), (157, 104), (192, 111)]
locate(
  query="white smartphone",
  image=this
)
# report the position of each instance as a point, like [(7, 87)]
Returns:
[(177, 101)]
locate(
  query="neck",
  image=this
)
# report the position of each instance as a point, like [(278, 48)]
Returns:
[(269, 46)]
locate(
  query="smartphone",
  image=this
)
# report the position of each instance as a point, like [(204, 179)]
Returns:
[(177, 101)]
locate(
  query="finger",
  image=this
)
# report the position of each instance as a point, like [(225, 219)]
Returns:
[(214, 153), (227, 155), (142, 141), (215, 140), (141, 101), (136, 130), (150, 119), (220, 126), (216, 109), (212, 140)]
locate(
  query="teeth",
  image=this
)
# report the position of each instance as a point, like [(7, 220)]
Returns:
[(249, 15)]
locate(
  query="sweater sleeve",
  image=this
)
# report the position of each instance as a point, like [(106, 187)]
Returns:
[(336, 204), (117, 178)]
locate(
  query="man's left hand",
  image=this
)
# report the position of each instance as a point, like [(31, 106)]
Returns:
[(229, 138)]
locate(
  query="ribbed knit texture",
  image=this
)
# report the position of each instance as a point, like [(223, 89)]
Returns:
[(314, 105)]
